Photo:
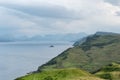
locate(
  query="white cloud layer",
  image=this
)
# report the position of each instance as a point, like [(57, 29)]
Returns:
[(32, 17)]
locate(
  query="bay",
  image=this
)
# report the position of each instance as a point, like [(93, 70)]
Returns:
[(19, 58)]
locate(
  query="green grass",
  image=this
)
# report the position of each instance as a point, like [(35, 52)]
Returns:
[(111, 72), (60, 74)]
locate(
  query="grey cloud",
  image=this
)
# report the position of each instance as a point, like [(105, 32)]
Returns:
[(15, 22), (49, 11), (118, 13), (50, 19), (114, 2)]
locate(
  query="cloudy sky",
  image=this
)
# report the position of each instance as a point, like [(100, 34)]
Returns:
[(33, 17)]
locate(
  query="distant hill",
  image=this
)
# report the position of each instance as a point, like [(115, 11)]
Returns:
[(51, 37), (105, 33), (58, 37), (79, 42)]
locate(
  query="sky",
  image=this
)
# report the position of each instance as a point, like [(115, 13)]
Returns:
[(40, 17)]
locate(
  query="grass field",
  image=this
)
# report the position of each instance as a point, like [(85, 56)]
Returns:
[(60, 74), (110, 72)]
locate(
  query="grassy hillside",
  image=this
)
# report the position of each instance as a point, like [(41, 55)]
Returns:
[(91, 55), (96, 52), (60, 74), (79, 42), (111, 72)]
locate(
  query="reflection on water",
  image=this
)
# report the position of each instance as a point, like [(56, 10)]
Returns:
[(16, 59)]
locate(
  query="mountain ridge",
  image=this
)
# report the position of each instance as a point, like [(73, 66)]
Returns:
[(51, 37), (98, 53), (88, 55)]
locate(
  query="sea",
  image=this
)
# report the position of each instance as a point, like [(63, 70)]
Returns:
[(19, 58)]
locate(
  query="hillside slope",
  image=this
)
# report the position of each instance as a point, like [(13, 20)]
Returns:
[(94, 53), (111, 72), (97, 54), (60, 74)]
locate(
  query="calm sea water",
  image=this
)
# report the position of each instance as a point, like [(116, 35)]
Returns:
[(17, 59)]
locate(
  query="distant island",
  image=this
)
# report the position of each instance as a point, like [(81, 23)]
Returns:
[(51, 45), (95, 57)]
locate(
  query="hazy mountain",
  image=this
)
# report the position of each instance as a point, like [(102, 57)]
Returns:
[(52, 37), (105, 33), (58, 37)]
